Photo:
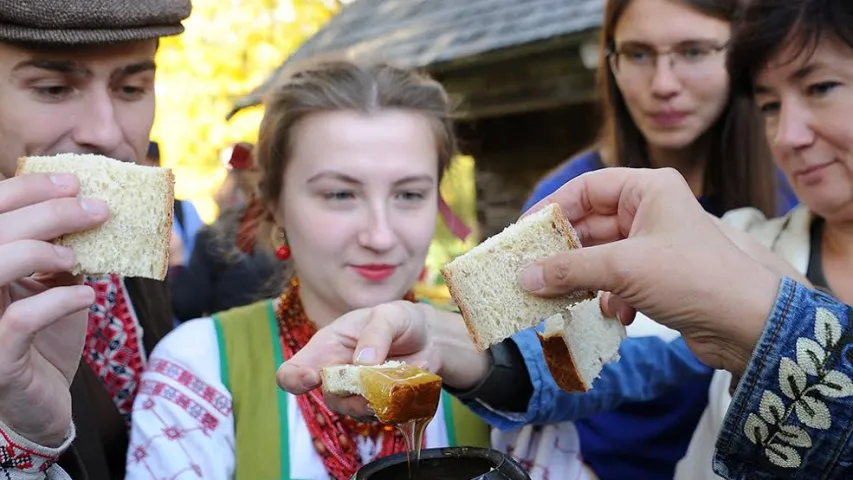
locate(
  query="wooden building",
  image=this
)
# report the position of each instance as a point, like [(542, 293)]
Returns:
[(523, 69)]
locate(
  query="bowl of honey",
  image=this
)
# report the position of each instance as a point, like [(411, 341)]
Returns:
[(451, 463)]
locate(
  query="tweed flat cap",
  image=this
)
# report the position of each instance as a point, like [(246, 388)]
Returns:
[(77, 22)]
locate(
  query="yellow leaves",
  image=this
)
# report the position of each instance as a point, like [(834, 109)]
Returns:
[(229, 48), (459, 191)]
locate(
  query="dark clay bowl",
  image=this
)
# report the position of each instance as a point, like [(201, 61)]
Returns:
[(455, 463)]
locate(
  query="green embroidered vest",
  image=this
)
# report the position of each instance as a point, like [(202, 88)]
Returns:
[(250, 353)]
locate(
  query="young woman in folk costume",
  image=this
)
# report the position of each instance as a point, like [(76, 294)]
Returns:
[(351, 157)]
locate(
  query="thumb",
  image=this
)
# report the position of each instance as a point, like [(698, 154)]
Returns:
[(301, 373), (589, 268), (297, 379)]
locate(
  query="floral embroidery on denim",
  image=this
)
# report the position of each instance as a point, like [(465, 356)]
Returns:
[(773, 428)]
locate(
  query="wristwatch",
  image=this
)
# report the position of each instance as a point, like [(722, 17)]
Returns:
[(506, 385)]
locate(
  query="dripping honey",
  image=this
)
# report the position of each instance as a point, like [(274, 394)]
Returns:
[(406, 397), (413, 432)]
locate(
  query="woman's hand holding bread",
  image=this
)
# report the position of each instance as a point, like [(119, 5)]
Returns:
[(43, 309), (417, 334)]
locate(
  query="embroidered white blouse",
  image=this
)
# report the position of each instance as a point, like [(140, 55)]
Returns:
[(183, 425)]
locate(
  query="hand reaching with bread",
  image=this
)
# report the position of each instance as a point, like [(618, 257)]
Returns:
[(43, 309), (647, 240)]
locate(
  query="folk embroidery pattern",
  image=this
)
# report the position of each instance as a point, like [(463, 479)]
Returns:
[(17, 457), (773, 427), (114, 348)]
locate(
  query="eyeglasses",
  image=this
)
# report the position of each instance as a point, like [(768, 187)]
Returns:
[(686, 60)]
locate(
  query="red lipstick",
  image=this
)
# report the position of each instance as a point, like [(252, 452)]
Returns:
[(375, 272)]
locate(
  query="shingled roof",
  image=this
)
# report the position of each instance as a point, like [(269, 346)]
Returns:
[(421, 33)]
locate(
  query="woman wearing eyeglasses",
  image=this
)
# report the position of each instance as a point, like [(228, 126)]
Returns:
[(667, 103)]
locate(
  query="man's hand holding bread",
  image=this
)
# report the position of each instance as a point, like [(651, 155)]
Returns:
[(43, 308), (61, 216), (646, 240)]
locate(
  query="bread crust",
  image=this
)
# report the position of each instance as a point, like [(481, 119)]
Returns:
[(561, 224), (466, 314), (22, 163), (561, 363), (166, 240)]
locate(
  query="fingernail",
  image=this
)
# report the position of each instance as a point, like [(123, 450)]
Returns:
[(366, 356), (533, 278), (310, 379), (618, 316), (65, 254), (64, 180), (94, 207), (87, 293)]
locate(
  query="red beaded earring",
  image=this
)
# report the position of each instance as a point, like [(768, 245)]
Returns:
[(282, 252)]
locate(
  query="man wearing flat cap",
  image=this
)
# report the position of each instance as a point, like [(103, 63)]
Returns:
[(76, 76)]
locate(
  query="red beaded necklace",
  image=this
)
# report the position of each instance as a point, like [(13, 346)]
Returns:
[(334, 436)]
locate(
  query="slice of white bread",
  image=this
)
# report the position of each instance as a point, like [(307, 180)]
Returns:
[(134, 242), (578, 343), (484, 282), (397, 392)]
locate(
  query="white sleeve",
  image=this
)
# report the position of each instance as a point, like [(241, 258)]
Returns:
[(21, 459), (182, 420), (744, 218)]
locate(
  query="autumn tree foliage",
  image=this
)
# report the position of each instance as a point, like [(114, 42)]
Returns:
[(229, 48)]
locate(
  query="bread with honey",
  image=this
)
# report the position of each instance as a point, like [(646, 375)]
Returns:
[(484, 281), (396, 391), (578, 343), (134, 241)]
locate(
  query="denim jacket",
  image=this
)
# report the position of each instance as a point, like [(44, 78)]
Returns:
[(791, 415), (648, 367)]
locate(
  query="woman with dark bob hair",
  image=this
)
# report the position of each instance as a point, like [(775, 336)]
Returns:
[(794, 58), (792, 414)]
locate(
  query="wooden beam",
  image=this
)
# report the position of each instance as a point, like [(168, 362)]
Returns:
[(546, 94), (545, 80), (504, 55)]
